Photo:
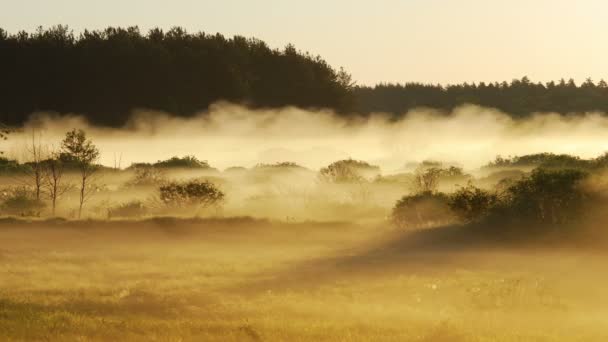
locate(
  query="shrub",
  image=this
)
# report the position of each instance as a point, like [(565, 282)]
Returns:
[(420, 210), (12, 166), (428, 176), (147, 175), (128, 210), (280, 165), (186, 162), (20, 202), (543, 198), (471, 203), (349, 171), (542, 160), (197, 193), (547, 197)]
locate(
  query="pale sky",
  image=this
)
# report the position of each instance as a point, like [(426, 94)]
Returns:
[(431, 41)]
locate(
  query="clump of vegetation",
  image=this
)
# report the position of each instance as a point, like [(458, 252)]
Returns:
[(8, 166), (147, 176), (185, 162), (428, 176), (471, 203), (279, 165), (546, 161), (545, 198), (421, 210), (349, 171), (132, 209), (193, 193), (20, 202)]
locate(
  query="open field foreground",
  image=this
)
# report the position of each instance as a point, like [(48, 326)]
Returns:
[(247, 280)]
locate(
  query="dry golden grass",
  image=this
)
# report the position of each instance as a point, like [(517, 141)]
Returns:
[(257, 281)]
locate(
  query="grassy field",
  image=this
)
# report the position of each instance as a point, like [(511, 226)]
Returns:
[(244, 280)]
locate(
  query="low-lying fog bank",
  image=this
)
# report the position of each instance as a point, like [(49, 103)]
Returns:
[(230, 135)]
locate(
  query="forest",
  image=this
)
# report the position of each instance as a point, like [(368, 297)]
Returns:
[(107, 74)]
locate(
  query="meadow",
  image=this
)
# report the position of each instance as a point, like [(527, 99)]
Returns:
[(258, 280)]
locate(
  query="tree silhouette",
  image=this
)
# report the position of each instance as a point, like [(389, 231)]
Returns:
[(77, 150)]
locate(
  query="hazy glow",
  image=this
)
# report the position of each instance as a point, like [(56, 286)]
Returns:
[(386, 40), (230, 135)]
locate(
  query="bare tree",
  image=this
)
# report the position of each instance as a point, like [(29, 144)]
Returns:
[(36, 157), (53, 179), (426, 180), (80, 151)]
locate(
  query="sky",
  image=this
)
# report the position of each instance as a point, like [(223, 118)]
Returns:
[(430, 41)]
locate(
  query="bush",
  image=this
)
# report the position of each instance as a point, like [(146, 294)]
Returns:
[(349, 171), (128, 210), (421, 210), (147, 175), (196, 193), (186, 162), (544, 198), (547, 197), (9, 166), (279, 165), (471, 203), (542, 160), (428, 176), (20, 202)]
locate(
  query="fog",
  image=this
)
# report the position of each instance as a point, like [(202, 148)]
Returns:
[(230, 135), (289, 255)]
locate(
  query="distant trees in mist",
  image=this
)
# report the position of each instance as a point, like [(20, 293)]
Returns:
[(519, 98), (106, 74)]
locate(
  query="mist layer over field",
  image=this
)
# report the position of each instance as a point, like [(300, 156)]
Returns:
[(230, 135), (305, 243)]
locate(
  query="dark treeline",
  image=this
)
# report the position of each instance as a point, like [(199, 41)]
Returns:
[(107, 74), (518, 98)]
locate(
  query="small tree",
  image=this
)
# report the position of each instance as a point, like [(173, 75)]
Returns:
[(53, 179), (35, 171), (82, 153), (426, 179)]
